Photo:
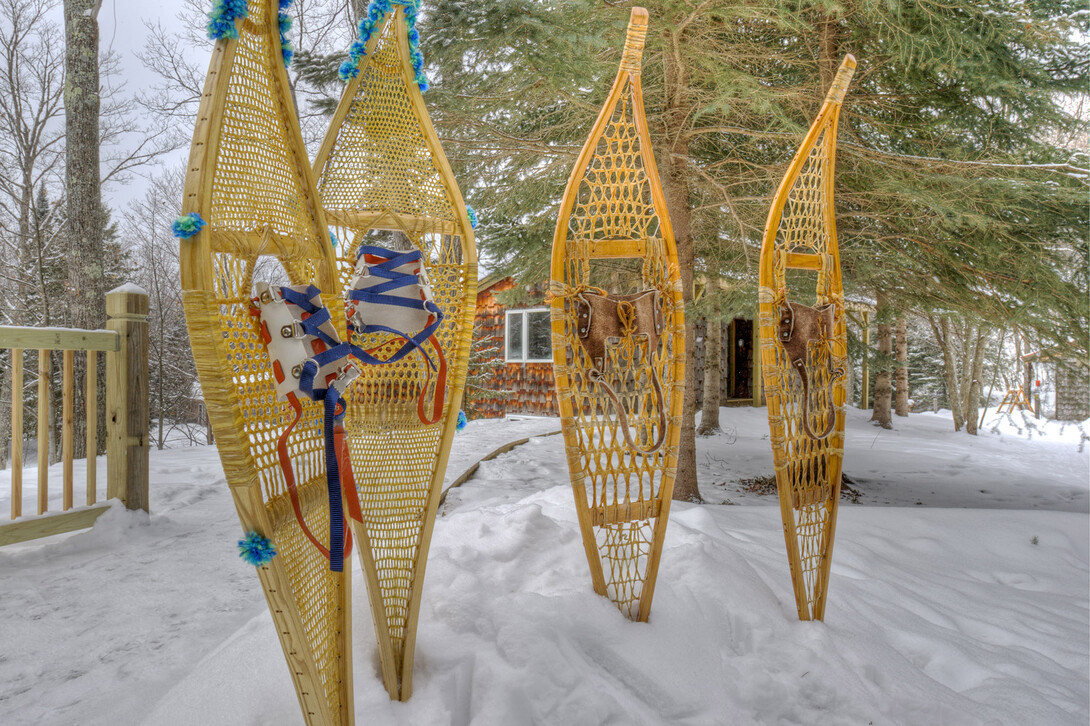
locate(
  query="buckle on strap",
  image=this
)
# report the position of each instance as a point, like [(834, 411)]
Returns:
[(345, 375), (294, 330)]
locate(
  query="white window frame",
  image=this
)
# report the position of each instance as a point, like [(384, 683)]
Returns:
[(525, 335)]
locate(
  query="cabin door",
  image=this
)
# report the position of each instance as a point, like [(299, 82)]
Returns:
[(740, 339)]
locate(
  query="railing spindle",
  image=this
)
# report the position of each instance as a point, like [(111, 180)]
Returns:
[(43, 430), (16, 433), (125, 346), (67, 425), (92, 426)]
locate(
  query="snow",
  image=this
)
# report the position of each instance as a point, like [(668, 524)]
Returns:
[(959, 595), (129, 287)]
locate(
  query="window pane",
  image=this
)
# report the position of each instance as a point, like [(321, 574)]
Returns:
[(514, 336), (541, 346)]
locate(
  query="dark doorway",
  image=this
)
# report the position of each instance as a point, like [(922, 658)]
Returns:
[(740, 338)]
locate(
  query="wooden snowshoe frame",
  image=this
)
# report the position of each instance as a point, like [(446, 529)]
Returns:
[(384, 180), (800, 248), (249, 178), (614, 230)]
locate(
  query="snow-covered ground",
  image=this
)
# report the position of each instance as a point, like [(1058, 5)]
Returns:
[(960, 595)]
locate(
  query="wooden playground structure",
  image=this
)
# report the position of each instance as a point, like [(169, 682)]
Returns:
[(1015, 399)]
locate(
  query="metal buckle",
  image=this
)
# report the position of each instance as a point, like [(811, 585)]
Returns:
[(345, 375), (295, 330)]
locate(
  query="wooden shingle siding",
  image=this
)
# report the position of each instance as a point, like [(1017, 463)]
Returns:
[(531, 386)]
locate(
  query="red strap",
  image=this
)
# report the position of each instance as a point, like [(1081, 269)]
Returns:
[(348, 479), (343, 460), (440, 387), (293, 492)]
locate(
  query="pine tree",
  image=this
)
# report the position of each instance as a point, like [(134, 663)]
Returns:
[(950, 194)]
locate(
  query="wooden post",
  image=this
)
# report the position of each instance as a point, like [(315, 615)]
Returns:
[(127, 418), (43, 430), (68, 397), (92, 426), (864, 397), (16, 433)]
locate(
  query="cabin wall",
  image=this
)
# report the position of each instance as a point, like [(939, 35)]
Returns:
[(1072, 394), (512, 388), (529, 388)]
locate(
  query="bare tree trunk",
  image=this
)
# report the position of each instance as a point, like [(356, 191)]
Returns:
[(966, 369), (713, 374), (675, 181), (901, 334), (995, 374), (86, 280), (883, 380), (1027, 367), (941, 330), (849, 383), (161, 396), (973, 390), (677, 196), (357, 9)]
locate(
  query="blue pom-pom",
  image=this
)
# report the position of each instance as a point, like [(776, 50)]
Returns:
[(472, 214), (348, 71), (286, 48), (333, 239), (376, 10), (285, 4), (256, 550), (222, 17), (462, 421), (187, 225)]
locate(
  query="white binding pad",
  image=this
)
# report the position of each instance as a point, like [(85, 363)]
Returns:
[(291, 347), (408, 320)]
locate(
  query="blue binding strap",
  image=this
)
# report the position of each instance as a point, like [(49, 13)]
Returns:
[(380, 295), (333, 486), (318, 316)]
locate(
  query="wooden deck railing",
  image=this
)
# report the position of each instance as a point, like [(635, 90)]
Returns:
[(125, 343)]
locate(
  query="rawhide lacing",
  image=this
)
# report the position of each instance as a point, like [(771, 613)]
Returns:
[(603, 319), (799, 326)]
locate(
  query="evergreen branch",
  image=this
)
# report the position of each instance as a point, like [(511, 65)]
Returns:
[(1066, 168)]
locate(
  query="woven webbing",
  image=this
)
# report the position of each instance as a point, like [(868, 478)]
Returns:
[(382, 179), (249, 179), (807, 469), (613, 204)]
